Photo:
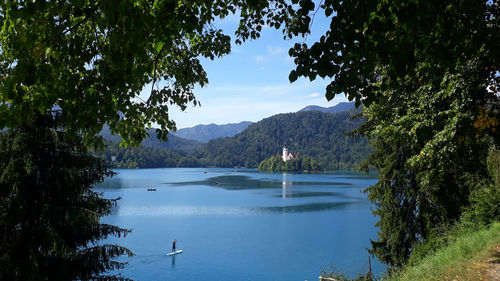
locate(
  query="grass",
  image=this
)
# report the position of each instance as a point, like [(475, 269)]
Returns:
[(457, 261)]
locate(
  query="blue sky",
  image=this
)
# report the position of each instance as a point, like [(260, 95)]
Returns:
[(252, 82)]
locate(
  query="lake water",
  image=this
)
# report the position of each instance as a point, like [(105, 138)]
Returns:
[(242, 224)]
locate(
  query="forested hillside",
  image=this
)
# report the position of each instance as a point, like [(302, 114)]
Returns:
[(314, 133), (144, 157), (317, 134)]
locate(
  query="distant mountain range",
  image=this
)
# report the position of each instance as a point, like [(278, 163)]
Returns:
[(343, 106), (174, 143), (205, 133)]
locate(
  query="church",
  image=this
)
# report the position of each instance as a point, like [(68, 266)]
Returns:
[(286, 155)]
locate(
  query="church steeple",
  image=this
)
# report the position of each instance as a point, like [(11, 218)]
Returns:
[(285, 153)]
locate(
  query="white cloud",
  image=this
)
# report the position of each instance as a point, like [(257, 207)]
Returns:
[(274, 50), (312, 95)]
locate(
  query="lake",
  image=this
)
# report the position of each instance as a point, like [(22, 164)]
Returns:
[(240, 224)]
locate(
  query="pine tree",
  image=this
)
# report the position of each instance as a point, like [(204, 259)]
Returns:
[(49, 215)]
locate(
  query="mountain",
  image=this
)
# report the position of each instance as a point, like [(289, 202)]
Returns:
[(174, 143), (343, 106), (313, 133), (205, 133)]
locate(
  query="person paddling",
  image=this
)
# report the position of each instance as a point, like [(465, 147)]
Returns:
[(173, 246)]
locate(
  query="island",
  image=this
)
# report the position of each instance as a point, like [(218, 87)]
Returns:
[(290, 162)]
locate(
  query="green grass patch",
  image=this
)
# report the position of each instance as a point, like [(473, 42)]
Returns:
[(454, 259)]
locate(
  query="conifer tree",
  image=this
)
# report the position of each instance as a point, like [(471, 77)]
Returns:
[(50, 225)]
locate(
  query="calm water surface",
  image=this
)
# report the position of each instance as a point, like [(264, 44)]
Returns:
[(242, 224)]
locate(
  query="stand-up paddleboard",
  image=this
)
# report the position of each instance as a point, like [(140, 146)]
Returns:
[(174, 253)]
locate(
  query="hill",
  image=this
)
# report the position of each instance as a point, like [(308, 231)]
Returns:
[(205, 133), (314, 133), (174, 143), (343, 106), (144, 157)]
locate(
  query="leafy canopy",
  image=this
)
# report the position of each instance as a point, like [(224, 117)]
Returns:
[(90, 59), (428, 75), (417, 40)]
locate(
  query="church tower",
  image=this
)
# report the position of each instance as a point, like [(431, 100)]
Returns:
[(285, 153)]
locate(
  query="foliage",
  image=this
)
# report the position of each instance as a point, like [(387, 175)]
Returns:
[(494, 166), (409, 40), (300, 163), (426, 146), (144, 157), (90, 59), (485, 198), (50, 217), (427, 73), (316, 134)]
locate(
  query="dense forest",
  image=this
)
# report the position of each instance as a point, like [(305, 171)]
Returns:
[(298, 164), (317, 134), (144, 157)]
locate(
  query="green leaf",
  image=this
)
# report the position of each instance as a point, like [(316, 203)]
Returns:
[(293, 76), (158, 46)]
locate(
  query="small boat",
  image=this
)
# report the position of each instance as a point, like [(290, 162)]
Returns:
[(151, 189)]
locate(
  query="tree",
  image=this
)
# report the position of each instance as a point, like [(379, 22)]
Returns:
[(428, 75), (90, 59), (50, 217), (299, 164)]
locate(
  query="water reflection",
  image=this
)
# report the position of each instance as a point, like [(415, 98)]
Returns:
[(173, 261), (303, 208), (291, 194), (240, 182), (234, 182), (283, 188)]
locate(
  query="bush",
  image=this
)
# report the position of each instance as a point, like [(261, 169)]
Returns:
[(483, 211), (485, 198)]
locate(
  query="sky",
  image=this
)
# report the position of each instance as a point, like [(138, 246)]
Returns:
[(252, 82)]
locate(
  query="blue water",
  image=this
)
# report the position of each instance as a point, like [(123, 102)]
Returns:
[(241, 224)]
